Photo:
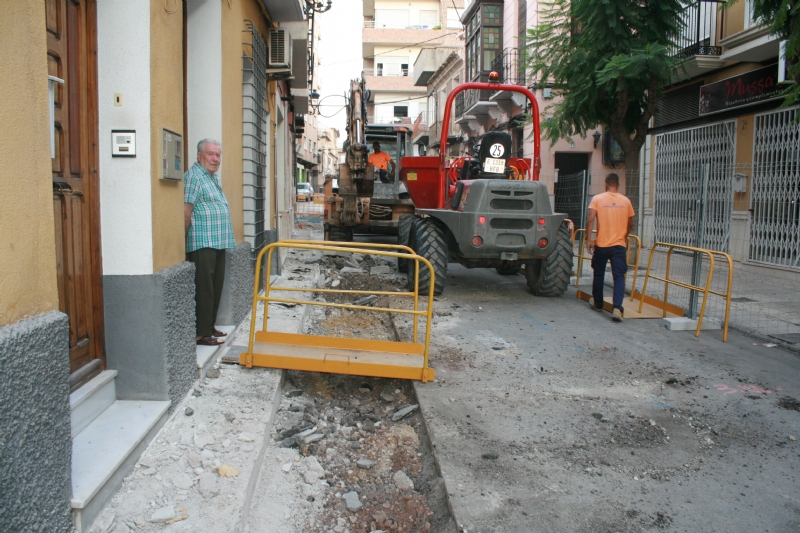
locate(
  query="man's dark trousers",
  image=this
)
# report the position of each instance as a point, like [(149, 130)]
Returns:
[(209, 277), (619, 266)]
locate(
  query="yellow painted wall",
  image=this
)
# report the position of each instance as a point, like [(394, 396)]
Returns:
[(233, 16), (733, 21), (166, 112), (27, 250)]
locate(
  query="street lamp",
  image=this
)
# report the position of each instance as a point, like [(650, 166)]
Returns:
[(309, 10), (596, 136)]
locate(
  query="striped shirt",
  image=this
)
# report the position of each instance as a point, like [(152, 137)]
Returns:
[(211, 218)]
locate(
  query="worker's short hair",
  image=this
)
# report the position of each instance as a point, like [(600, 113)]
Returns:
[(202, 144), (376, 142), (612, 179)]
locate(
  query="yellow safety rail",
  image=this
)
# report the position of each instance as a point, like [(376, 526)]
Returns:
[(364, 357), (630, 263), (705, 290)]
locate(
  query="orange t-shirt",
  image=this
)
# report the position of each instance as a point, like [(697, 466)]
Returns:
[(613, 211), (379, 160)]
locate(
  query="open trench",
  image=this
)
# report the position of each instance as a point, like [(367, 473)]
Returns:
[(367, 435)]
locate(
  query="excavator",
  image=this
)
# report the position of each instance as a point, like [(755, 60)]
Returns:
[(362, 204)]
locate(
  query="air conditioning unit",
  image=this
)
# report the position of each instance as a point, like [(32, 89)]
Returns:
[(280, 49)]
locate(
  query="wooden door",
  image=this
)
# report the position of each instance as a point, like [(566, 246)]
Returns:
[(71, 56)]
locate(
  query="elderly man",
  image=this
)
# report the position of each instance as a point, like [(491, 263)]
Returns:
[(207, 221)]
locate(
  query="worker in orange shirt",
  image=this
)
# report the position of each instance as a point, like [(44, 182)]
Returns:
[(614, 214), (381, 161)]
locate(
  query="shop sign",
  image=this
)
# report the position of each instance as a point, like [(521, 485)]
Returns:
[(746, 89)]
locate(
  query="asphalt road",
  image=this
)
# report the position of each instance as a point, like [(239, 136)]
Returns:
[(546, 416)]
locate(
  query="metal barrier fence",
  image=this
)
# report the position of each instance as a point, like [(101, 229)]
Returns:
[(363, 357), (749, 211), (634, 250), (312, 206), (693, 286)]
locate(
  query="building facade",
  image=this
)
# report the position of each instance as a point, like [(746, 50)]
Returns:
[(105, 104), (438, 69), (720, 139), (392, 38), (493, 39)]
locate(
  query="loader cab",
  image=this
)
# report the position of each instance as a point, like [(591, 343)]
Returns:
[(395, 141)]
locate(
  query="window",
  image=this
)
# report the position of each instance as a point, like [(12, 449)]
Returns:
[(401, 111), (379, 69), (404, 69), (749, 18), (452, 19), (391, 18), (428, 18), (484, 39)]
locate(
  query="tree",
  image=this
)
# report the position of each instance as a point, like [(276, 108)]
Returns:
[(783, 19), (607, 61)]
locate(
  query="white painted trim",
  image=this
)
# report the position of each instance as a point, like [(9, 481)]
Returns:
[(126, 203), (204, 77)]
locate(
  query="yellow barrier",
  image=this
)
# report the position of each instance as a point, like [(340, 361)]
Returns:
[(375, 358), (705, 290), (631, 264)]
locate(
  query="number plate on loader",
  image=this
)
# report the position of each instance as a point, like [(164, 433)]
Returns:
[(494, 166)]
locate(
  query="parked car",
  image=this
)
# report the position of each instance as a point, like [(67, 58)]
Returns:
[(304, 192)]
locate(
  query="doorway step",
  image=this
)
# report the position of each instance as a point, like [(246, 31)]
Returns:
[(108, 436)]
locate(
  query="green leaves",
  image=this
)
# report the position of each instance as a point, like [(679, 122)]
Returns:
[(605, 59)]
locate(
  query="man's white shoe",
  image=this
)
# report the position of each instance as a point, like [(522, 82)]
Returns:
[(616, 315), (591, 304)]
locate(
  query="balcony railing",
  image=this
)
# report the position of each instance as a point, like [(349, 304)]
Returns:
[(392, 70), (510, 67), (466, 99), (401, 25), (387, 119), (698, 36)]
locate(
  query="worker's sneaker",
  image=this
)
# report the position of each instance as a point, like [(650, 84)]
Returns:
[(616, 315), (591, 304)]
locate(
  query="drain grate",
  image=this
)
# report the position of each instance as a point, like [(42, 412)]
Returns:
[(742, 299)]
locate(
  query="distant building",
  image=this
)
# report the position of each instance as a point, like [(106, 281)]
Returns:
[(439, 70), (392, 38)]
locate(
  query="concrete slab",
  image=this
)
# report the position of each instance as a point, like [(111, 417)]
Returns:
[(690, 324)]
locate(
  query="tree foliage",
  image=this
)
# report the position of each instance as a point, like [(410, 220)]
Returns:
[(783, 19), (607, 61)]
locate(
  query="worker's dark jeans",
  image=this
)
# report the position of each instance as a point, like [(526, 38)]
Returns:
[(383, 174), (209, 277), (619, 266)]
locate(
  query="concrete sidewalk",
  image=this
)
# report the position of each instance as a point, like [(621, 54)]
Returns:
[(215, 454)]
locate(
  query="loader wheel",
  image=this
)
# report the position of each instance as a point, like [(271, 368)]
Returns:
[(403, 237), (509, 271), (340, 234), (428, 240), (550, 276)]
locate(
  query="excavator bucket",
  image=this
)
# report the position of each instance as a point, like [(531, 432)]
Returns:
[(336, 355)]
